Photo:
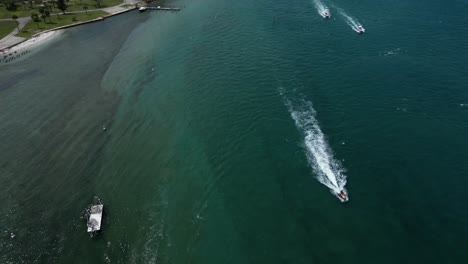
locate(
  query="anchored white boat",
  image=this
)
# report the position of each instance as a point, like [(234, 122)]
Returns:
[(94, 217)]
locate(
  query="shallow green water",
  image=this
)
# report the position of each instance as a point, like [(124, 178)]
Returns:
[(213, 144)]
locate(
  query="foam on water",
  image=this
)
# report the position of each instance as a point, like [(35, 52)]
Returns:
[(320, 7), (352, 22), (328, 171)]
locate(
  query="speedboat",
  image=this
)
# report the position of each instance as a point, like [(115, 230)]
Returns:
[(360, 29), (142, 9), (326, 13), (342, 196)]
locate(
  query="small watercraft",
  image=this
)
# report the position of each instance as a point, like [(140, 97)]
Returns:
[(342, 196), (142, 9), (360, 29), (93, 215), (326, 13)]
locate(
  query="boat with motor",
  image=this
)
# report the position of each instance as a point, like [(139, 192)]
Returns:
[(326, 13), (342, 196), (359, 29), (94, 216), (142, 9)]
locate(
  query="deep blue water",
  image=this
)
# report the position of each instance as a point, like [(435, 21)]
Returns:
[(224, 123)]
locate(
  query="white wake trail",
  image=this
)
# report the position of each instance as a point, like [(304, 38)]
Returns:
[(352, 22), (320, 7), (328, 170)]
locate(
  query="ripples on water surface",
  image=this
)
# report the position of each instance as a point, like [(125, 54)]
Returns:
[(201, 161)]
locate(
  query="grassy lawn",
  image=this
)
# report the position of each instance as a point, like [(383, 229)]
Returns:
[(128, 6), (20, 12), (77, 5), (73, 5), (31, 28), (6, 27)]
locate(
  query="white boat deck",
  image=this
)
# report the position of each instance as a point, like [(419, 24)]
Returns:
[(95, 218)]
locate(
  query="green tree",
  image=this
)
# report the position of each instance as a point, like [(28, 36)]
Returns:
[(10, 5), (98, 2), (24, 5), (43, 16), (47, 13), (35, 18), (15, 18), (85, 7), (48, 7), (62, 5)]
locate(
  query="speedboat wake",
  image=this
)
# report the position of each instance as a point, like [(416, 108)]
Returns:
[(328, 171), (322, 9), (353, 23)]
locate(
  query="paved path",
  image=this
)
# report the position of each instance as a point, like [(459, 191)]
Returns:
[(11, 39)]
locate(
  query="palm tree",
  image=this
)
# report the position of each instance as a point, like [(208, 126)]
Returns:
[(47, 13), (85, 7), (35, 18), (15, 18), (62, 5), (43, 16), (47, 6)]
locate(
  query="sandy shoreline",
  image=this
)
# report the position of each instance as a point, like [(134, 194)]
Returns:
[(34, 41), (17, 52)]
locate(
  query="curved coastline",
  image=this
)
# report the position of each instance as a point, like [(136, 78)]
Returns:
[(19, 51)]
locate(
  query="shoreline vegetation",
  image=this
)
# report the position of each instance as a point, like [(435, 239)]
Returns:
[(33, 28), (34, 31), (21, 20), (21, 34), (8, 8)]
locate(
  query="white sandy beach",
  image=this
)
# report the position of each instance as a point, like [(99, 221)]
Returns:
[(35, 41), (19, 51)]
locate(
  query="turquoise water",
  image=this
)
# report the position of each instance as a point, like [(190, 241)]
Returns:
[(223, 123)]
